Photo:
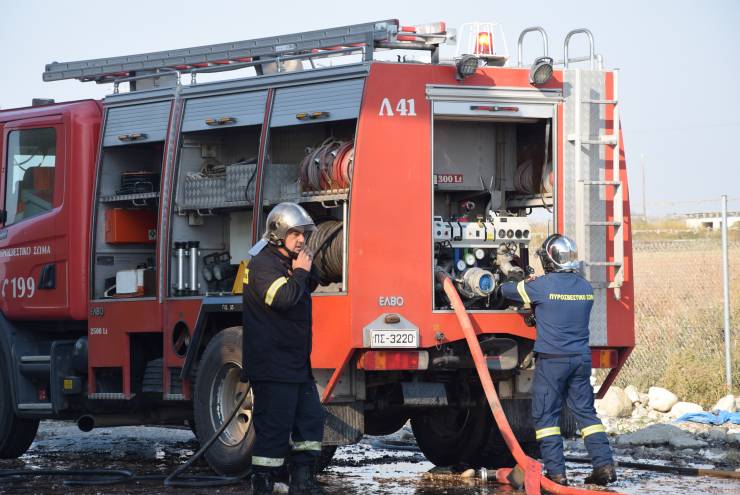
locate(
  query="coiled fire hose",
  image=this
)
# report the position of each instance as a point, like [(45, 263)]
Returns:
[(327, 166), (326, 244), (534, 479)]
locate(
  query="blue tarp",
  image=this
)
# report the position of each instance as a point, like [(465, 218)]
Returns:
[(710, 418)]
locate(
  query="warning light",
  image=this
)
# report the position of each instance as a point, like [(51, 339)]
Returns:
[(484, 44), (485, 40)]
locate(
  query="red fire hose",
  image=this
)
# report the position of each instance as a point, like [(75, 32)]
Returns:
[(533, 477)]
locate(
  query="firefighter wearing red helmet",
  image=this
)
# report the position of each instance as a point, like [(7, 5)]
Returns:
[(288, 415), (562, 301)]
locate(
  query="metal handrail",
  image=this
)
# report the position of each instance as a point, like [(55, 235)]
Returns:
[(520, 49), (590, 37)]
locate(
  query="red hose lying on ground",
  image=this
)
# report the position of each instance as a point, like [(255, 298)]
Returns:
[(533, 477)]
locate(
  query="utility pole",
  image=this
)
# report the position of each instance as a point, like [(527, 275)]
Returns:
[(644, 194), (726, 287)]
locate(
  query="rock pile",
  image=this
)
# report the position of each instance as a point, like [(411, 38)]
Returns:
[(646, 420), (659, 404)]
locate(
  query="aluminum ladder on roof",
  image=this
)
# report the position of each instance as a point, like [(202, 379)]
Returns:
[(343, 40), (585, 181)]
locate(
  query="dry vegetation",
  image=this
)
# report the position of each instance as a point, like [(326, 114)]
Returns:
[(679, 319), (678, 310)]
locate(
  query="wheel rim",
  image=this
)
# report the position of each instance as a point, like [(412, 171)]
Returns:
[(226, 392)]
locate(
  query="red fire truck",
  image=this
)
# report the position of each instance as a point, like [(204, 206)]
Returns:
[(125, 222)]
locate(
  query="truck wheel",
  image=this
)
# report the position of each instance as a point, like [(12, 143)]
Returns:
[(495, 454), (378, 424), (16, 434), (452, 436), (217, 391)]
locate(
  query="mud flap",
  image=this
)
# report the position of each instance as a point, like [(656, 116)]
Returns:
[(345, 423)]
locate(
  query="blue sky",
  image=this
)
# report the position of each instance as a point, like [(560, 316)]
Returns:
[(679, 61)]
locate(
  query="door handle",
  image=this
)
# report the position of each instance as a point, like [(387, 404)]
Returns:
[(48, 276)]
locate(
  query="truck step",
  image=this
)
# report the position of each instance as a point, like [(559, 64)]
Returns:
[(35, 406), (110, 396), (153, 378), (35, 366)]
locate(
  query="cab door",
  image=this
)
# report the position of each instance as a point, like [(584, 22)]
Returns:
[(32, 280)]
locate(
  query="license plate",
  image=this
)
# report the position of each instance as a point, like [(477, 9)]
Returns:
[(394, 338)]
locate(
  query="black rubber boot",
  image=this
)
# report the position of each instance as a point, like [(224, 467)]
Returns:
[(602, 475), (262, 483), (303, 482), (558, 478)]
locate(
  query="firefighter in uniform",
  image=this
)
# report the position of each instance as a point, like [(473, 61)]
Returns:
[(562, 302), (288, 415)]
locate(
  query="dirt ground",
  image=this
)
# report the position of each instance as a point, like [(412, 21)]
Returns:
[(375, 465)]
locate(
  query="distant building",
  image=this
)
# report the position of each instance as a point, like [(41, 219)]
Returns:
[(711, 220)]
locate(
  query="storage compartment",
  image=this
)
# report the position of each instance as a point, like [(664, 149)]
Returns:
[(124, 226), (492, 180), (126, 216), (308, 160), (215, 192), (313, 164)]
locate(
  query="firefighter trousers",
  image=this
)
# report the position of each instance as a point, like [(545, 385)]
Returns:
[(566, 378), (288, 420)]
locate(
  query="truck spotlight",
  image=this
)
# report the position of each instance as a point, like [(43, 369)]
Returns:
[(541, 70), (466, 66)]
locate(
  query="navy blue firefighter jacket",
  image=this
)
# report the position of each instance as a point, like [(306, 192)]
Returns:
[(562, 304), (277, 319)]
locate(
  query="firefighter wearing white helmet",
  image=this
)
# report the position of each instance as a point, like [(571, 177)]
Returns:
[(277, 353), (562, 301)]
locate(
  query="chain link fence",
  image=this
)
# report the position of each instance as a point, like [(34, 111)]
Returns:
[(678, 318)]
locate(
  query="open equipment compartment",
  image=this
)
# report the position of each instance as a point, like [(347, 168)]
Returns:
[(215, 191), (310, 159), (312, 165), (489, 176), (127, 200)]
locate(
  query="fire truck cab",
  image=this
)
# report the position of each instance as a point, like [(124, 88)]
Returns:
[(126, 225)]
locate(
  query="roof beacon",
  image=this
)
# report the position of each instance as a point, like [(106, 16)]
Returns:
[(485, 40)]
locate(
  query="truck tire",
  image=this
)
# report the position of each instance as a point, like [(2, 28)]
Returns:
[(16, 434), (495, 454), (452, 436), (217, 391)]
